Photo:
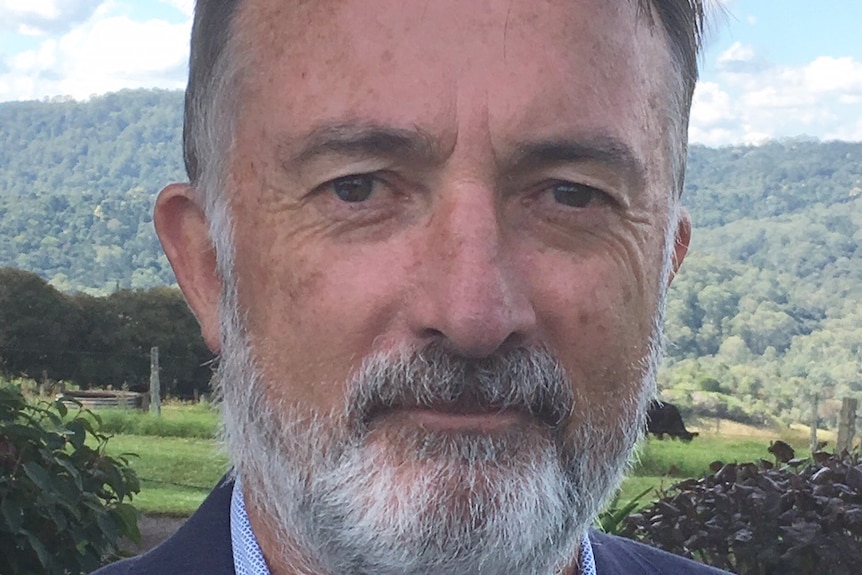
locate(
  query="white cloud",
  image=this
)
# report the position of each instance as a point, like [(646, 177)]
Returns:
[(711, 104), (751, 103), (847, 131), (755, 138), (105, 53), (738, 52), (43, 58), (840, 75), (775, 96), (39, 17), (741, 59), (187, 7), (45, 9), (712, 136)]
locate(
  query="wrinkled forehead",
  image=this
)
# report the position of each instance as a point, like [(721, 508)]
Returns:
[(313, 36), (596, 65), (268, 23)]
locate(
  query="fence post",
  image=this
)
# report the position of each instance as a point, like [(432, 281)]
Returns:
[(846, 425), (814, 423), (155, 392)]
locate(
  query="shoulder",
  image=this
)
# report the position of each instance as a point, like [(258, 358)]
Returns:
[(618, 556), (202, 544)]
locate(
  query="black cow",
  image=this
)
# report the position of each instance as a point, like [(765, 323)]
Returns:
[(781, 450), (664, 418)]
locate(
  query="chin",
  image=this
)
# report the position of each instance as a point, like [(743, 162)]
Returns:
[(412, 492)]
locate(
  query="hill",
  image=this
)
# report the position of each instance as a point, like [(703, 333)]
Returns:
[(764, 314), (77, 184)]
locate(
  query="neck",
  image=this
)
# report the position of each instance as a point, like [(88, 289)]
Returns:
[(283, 555)]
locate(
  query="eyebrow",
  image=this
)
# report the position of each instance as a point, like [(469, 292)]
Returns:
[(374, 140), (600, 149), (362, 140)]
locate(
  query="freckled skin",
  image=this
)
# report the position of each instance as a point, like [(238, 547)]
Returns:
[(462, 249)]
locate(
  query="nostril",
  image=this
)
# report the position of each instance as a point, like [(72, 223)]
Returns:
[(514, 340), (434, 335)]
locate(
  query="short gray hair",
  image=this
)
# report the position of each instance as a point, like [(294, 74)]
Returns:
[(214, 70), (208, 124)]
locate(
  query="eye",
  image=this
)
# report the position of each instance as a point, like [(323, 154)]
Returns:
[(353, 189), (575, 195)]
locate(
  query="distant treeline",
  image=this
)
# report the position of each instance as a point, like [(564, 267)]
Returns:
[(99, 341)]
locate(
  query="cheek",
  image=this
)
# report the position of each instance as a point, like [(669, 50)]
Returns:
[(599, 326), (597, 315), (315, 310)]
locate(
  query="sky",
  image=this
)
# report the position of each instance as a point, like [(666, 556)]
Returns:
[(771, 69)]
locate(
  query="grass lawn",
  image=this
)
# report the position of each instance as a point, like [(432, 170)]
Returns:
[(663, 463), (176, 473), (177, 419), (678, 459)]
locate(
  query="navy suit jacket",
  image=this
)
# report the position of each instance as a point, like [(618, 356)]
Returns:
[(203, 546)]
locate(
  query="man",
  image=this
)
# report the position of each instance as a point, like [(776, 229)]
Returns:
[(430, 242)]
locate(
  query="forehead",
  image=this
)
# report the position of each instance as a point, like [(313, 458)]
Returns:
[(543, 68)]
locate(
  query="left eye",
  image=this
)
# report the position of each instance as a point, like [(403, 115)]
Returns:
[(353, 189), (575, 195)]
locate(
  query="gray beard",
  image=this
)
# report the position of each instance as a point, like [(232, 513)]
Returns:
[(342, 495)]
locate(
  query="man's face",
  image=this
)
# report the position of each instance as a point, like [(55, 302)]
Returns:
[(483, 174), (477, 177)]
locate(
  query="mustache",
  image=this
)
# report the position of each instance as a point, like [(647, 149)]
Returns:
[(529, 380)]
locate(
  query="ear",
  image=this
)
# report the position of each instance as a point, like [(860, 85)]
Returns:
[(184, 232), (682, 238)]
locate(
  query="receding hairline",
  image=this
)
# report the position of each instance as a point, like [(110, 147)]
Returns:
[(216, 39)]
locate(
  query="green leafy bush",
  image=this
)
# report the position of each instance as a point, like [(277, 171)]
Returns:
[(612, 518), (62, 500), (755, 519)]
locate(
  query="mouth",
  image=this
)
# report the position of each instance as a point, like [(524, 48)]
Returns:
[(452, 417), (478, 421)]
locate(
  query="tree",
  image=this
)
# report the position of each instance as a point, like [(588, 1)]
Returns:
[(34, 326)]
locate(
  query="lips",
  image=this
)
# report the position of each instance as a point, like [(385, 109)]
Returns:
[(467, 411), (452, 418)]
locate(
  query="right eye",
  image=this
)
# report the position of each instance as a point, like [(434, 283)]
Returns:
[(353, 189), (575, 195)]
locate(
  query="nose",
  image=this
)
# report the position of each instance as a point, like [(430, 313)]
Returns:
[(472, 297)]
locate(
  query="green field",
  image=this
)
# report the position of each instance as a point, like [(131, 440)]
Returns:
[(177, 472), (177, 419), (176, 455)]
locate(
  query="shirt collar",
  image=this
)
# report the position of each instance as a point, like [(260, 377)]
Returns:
[(247, 555)]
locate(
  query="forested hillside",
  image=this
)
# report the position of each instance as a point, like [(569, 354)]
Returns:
[(767, 310), (77, 183), (765, 313)]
